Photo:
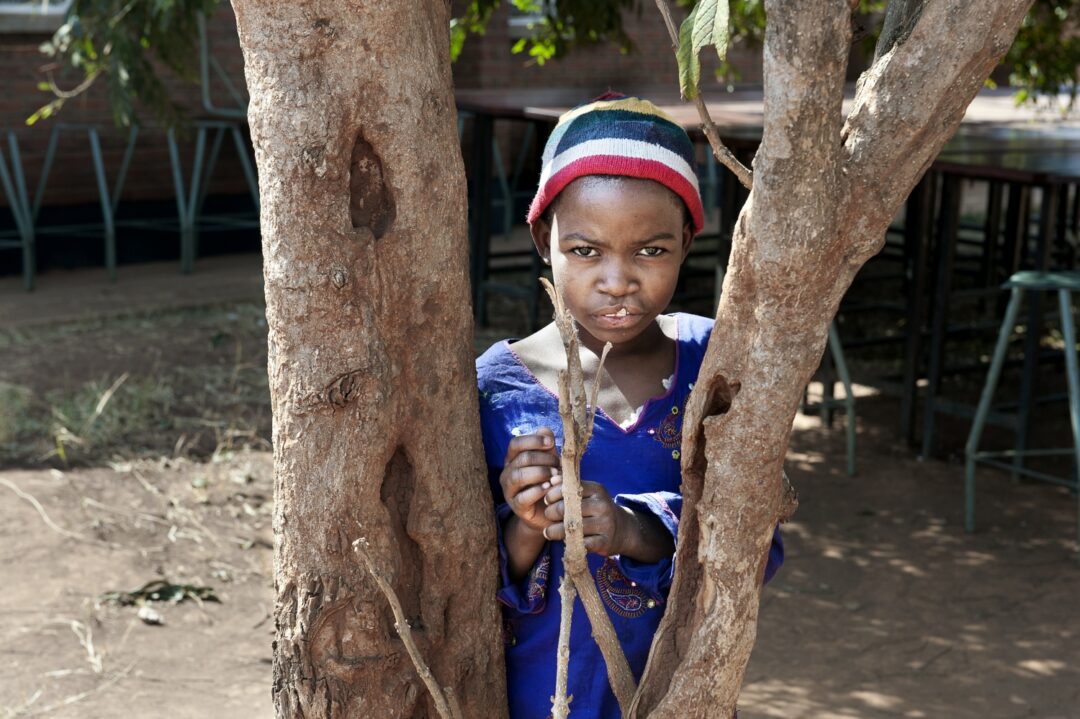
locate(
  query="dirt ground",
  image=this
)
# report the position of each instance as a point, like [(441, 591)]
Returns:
[(884, 608)]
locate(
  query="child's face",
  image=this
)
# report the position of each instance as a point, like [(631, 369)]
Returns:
[(615, 247)]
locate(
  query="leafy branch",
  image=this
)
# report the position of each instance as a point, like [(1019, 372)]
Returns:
[(707, 24), (126, 42)]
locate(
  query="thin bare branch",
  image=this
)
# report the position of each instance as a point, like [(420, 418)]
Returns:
[(720, 151), (594, 397), (560, 703), (44, 516), (576, 418), (445, 703)]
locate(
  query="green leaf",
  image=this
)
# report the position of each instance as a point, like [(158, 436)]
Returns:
[(704, 17), (689, 66), (721, 30), (707, 24)]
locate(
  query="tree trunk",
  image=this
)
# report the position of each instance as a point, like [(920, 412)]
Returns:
[(824, 193), (376, 429)]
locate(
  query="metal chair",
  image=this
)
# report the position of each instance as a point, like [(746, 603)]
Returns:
[(1064, 283)]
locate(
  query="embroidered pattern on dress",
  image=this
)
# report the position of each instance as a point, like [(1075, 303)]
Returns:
[(538, 579), (669, 431), (620, 594)]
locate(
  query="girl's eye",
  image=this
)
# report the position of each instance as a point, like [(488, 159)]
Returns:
[(584, 251), (652, 251)]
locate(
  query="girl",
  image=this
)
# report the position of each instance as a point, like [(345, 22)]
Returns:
[(615, 214)]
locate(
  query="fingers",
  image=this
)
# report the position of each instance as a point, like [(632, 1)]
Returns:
[(543, 440), (555, 532), (526, 498), (597, 540), (554, 492), (520, 478)]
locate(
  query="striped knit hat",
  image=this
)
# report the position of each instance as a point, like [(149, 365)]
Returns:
[(619, 135)]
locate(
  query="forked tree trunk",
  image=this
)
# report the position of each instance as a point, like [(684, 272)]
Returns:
[(824, 193), (376, 429)]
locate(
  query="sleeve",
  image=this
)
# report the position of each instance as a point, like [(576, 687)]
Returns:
[(655, 578), (667, 507), (776, 555)]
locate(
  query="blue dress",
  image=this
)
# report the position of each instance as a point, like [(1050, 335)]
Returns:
[(640, 468)]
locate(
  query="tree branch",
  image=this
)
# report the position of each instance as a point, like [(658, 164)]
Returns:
[(560, 703), (576, 416), (900, 19), (720, 151), (445, 703), (912, 99)]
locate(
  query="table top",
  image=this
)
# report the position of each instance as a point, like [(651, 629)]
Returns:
[(996, 140), (1040, 154)]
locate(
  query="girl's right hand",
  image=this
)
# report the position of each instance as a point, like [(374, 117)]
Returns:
[(531, 469)]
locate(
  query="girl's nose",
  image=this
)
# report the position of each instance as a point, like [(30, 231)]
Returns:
[(618, 278)]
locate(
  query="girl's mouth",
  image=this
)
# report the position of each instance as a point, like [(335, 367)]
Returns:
[(620, 318)]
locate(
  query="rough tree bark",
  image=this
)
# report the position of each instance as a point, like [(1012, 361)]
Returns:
[(376, 430), (824, 193)]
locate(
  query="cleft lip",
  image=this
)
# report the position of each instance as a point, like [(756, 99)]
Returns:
[(618, 311)]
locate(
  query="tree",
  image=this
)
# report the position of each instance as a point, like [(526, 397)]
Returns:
[(375, 428), (376, 417), (385, 430)]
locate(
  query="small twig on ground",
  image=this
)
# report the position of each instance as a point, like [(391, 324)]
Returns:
[(720, 151), (86, 639), (445, 699), (135, 515), (44, 516), (75, 698), (560, 703), (577, 419)]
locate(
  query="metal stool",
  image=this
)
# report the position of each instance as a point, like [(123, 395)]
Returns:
[(829, 402), (1064, 283)]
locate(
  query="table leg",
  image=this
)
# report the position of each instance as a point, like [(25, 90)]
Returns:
[(948, 221), (480, 207), (916, 238)]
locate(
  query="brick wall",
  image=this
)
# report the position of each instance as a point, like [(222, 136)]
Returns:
[(486, 61), (72, 179)]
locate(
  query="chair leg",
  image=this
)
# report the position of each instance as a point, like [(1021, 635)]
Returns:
[(1068, 329), (837, 351), (106, 203), (983, 409), (14, 186)]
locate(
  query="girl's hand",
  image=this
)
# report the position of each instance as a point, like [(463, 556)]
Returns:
[(530, 470), (607, 526)]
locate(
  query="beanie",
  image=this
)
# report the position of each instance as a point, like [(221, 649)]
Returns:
[(619, 135)]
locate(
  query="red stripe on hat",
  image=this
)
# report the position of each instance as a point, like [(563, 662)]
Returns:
[(623, 166)]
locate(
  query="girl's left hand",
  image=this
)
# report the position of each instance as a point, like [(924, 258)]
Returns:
[(605, 524)]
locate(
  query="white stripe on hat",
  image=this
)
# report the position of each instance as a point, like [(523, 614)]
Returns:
[(619, 147)]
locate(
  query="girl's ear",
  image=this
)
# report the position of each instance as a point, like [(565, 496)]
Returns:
[(687, 239), (541, 235)]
